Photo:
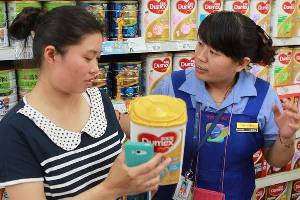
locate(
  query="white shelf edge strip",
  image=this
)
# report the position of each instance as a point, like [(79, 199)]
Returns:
[(278, 178), (136, 45)]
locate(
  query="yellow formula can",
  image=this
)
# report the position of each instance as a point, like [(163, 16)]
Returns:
[(161, 120)]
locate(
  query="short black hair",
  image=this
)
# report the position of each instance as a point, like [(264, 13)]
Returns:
[(237, 36)]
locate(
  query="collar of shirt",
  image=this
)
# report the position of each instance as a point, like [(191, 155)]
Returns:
[(65, 139), (243, 88)]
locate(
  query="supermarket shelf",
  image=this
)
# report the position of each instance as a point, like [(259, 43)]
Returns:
[(278, 178), (7, 53), (286, 41), (138, 45)]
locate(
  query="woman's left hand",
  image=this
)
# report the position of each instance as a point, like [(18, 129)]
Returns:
[(288, 121)]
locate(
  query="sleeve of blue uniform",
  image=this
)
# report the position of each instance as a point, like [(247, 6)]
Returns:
[(267, 120), (164, 87)]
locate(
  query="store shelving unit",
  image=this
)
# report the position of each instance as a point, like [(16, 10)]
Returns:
[(138, 45), (278, 178)]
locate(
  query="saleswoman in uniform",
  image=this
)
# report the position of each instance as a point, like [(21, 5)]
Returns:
[(221, 160)]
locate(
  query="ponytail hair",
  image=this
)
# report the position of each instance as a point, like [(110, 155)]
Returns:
[(24, 23), (61, 27), (266, 52)]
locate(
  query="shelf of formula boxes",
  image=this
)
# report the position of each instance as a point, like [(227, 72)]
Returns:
[(138, 45), (281, 177)]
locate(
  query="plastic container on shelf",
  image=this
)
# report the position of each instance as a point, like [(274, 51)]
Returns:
[(282, 20), (260, 13), (123, 19), (183, 60), (206, 7), (49, 5), (161, 120), (155, 20), (183, 20), (157, 66), (240, 6), (3, 25)]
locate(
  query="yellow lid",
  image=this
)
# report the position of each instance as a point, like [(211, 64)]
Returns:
[(158, 111)]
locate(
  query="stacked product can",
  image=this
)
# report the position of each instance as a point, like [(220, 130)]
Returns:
[(8, 91), (27, 79), (102, 82), (126, 78)]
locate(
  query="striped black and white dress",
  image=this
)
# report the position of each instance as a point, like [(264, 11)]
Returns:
[(33, 149)]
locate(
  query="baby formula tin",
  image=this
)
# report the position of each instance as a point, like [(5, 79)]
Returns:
[(99, 9), (49, 5), (157, 65), (6, 75), (240, 6), (15, 7), (28, 74), (7, 82), (282, 67), (259, 71), (155, 20), (282, 21), (182, 61), (123, 19), (161, 120), (3, 25), (295, 190), (206, 7), (101, 81), (5, 107), (260, 13), (126, 79), (296, 65), (183, 20)]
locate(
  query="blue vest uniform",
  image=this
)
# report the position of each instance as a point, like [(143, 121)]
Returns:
[(239, 176)]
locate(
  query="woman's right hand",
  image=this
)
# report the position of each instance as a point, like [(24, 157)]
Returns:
[(134, 180)]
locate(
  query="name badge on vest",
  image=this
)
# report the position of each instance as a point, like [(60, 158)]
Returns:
[(246, 127), (184, 189)]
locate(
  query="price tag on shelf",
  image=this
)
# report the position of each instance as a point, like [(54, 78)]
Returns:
[(114, 47), (288, 90), (153, 47), (136, 44), (186, 45)]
